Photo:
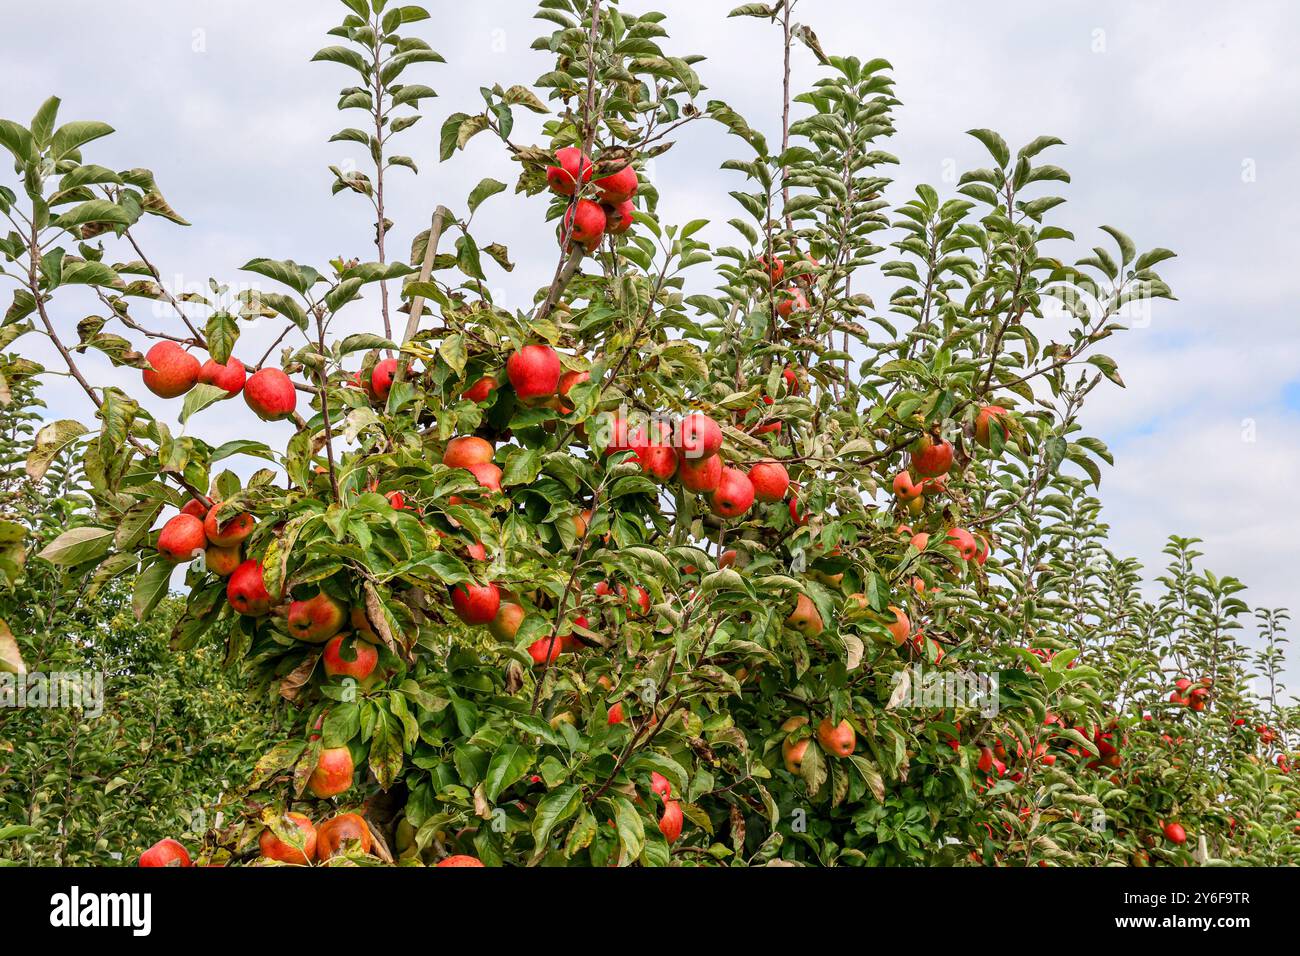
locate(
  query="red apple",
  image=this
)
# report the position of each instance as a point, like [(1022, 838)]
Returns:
[(619, 218), (273, 848), (174, 371), (770, 480), (931, 458), (335, 833), (246, 590), (618, 187), (584, 223), (481, 390), (670, 824), (182, 538), (270, 394), (230, 532), (476, 603), (698, 436), (701, 475), (316, 619), (361, 666), (381, 379), (230, 376), (534, 371), (165, 853), (332, 776), (734, 495), (572, 165), (467, 450), (838, 739)]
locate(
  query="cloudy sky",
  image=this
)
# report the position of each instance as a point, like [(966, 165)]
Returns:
[(1179, 120)]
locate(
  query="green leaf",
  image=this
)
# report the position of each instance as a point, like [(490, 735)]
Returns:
[(150, 588), (87, 543), (74, 135), (509, 764), (552, 810), (200, 397), (994, 143), (49, 442), (94, 210), (485, 189), (344, 55)]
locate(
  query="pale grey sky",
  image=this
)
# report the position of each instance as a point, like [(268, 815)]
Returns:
[(1178, 115)]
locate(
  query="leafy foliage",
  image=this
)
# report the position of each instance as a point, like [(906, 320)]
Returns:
[(667, 654)]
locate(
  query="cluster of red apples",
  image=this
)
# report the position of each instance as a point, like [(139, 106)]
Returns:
[(296, 841), (588, 220), (173, 371)]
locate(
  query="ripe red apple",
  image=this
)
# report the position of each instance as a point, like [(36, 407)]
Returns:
[(381, 379), (615, 715), (584, 223), (476, 603), (620, 217), (964, 542), (270, 394), (658, 461), (546, 650), (246, 590), (701, 475), (900, 627), (273, 848), (361, 624), (770, 480), (789, 302), (332, 776), (481, 390), (534, 371), (174, 372), (364, 658), (461, 860), (316, 619), (931, 458), (572, 165), (618, 187), (1175, 833), (838, 739), (775, 273), (222, 561), (698, 436), (336, 832), (230, 532), (196, 508), (797, 514), (805, 617), (166, 852), (670, 824), (230, 376), (988, 414), (792, 754), (488, 475), (659, 784), (467, 450), (567, 381), (181, 538), (904, 488), (734, 495), (506, 623)]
